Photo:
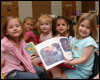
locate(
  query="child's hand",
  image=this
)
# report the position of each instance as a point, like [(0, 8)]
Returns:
[(35, 72), (57, 36), (67, 61)]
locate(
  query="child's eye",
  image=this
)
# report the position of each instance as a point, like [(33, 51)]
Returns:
[(88, 27), (31, 25), (47, 24), (63, 24), (58, 24), (41, 24), (27, 23), (10, 27), (82, 25), (17, 25)]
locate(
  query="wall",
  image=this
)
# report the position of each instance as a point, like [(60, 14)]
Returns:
[(78, 6), (97, 6), (56, 8), (25, 9), (39, 8)]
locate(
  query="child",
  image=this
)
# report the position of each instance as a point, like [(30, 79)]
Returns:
[(45, 24), (17, 62), (83, 48), (29, 36), (64, 27)]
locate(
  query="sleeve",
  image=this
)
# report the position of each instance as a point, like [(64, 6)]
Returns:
[(2, 51), (28, 33), (72, 40), (2, 46), (91, 42)]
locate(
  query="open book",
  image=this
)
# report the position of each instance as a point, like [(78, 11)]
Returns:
[(53, 51)]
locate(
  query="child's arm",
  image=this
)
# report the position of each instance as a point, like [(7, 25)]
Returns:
[(70, 45), (85, 56), (26, 38)]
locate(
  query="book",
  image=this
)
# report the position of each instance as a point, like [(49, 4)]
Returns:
[(31, 49), (2, 77), (53, 51)]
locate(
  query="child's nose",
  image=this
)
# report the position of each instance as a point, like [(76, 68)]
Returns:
[(61, 26), (84, 28), (15, 28), (44, 25)]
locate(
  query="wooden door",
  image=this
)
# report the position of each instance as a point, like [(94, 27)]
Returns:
[(8, 8), (40, 7), (68, 7), (86, 5)]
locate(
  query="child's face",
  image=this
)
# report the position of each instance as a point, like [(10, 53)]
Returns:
[(84, 29), (28, 25), (45, 26), (61, 26), (14, 28)]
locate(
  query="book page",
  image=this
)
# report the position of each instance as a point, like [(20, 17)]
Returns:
[(50, 53), (63, 41)]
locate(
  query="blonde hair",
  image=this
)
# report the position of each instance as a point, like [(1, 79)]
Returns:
[(46, 17), (6, 24), (28, 18), (92, 22)]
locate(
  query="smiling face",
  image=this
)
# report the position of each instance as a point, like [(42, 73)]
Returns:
[(45, 26), (28, 25), (14, 29), (61, 26), (84, 29)]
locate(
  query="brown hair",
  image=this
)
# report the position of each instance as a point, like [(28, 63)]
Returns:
[(6, 24), (29, 18), (92, 21)]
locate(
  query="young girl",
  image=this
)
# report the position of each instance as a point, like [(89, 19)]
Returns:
[(64, 27), (29, 36), (45, 24), (83, 48), (17, 62)]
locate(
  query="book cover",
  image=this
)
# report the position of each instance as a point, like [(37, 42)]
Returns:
[(53, 51), (30, 48)]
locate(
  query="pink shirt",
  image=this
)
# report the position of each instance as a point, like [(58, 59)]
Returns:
[(46, 37), (32, 37), (13, 56)]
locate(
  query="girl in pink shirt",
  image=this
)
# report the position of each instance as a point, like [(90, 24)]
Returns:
[(29, 36), (17, 62)]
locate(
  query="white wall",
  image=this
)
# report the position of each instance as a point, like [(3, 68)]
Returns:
[(25, 9), (78, 6), (97, 6), (56, 8)]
